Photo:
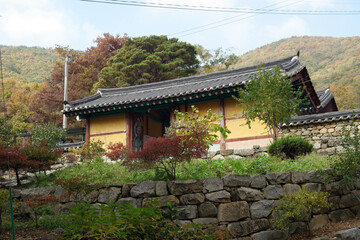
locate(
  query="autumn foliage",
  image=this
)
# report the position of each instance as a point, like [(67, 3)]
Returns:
[(37, 202), (116, 151), (166, 152), (14, 158), (29, 158), (83, 73)]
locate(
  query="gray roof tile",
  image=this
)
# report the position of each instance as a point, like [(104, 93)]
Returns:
[(179, 87), (324, 117)]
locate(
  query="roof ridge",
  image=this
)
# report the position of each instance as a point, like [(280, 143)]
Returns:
[(325, 115), (85, 100), (209, 76)]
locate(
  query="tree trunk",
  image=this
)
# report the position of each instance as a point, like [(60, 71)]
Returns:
[(17, 177)]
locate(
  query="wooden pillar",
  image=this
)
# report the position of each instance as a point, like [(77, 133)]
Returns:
[(129, 131), (87, 130), (172, 114), (222, 123)]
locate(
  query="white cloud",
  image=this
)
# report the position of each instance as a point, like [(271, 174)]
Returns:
[(41, 23), (295, 26), (241, 35), (25, 3), (34, 25)]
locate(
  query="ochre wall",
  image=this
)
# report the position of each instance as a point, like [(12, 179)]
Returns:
[(205, 106), (237, 124), (241, 135), (111, 128)]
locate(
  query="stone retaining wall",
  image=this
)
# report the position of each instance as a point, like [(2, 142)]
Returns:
[(325, 136), (253, 152), (240, 203)]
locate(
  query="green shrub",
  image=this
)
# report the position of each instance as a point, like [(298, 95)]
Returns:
[(290, 147), (347, 163), (92, 149), (119, 221), (297, 207)]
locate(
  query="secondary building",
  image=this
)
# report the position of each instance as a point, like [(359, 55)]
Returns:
[(132, 115)]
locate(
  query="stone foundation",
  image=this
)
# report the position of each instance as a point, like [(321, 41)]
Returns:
[(239, 203)]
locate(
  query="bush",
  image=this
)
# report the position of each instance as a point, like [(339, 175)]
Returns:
[(49, 134), (116, 151), (119, 221), (297, 207), (347, 163), (92, 149), (290, 147), (36, 203), (165, 153), (42, 155)]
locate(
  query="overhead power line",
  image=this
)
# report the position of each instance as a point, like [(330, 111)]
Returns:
[(222, 9), (225, 21)]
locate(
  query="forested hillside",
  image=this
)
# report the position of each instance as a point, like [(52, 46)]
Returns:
[(330, 61), (30, 64)]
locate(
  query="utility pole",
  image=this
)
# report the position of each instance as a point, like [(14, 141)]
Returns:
[(65, 90)]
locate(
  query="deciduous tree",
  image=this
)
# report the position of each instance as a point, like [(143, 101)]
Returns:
[(269, 98), (83, 73), (217, 60)]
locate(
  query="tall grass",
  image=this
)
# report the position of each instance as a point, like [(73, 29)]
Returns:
[(98, 171)]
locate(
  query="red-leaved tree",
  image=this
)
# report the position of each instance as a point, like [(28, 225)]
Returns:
[(166, 152), (37, 202), (42, 156), (116, 151), (14, 158), (29, 158)]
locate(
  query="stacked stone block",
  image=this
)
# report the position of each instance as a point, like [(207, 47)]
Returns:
[(325, 136), (239, 203), (253, 152)]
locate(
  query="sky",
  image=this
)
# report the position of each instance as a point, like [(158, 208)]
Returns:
[(76, 24)]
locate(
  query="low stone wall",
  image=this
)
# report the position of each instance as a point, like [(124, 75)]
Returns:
[(325, 136), (253, 152), (240, 203)]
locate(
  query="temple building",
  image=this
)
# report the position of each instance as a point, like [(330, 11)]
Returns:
[(132, 115)]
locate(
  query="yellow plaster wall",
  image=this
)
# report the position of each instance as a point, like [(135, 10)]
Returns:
[(233, 118), (231, 108), (106, 124), (112, 138), (239, 130), (236, 124), (205, 106)]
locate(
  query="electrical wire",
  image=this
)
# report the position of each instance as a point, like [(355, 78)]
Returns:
[(222, 9), (223, 20), (237, 20)]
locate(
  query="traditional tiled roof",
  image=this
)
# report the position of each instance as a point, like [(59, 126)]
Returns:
[(73, 145), (324, 117), (176, 90), (325, 96)]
